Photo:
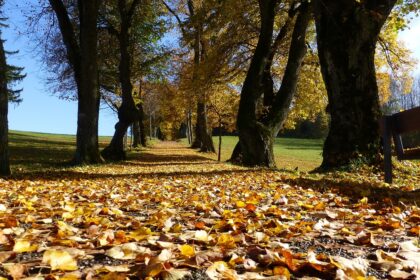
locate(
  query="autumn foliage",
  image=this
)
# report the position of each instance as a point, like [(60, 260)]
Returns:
[(170, 213)]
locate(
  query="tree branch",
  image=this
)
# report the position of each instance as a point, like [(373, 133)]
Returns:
[(68, 35), (178, 19)]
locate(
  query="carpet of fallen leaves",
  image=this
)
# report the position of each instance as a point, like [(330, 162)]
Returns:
[(170, 213)]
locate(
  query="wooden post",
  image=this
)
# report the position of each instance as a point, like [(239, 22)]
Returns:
[(387, 136), (220, 140), (150, 126)]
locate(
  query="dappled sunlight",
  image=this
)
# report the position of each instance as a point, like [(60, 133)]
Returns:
[(169, 207)]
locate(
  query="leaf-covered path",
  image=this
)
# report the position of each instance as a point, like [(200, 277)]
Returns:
[(171, 213)]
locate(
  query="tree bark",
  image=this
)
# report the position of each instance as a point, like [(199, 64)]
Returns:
[(256, 136), (219, 156), (203, 135), (236, 156), (82, 55), (203, 138), (143, 138), (136, 134), (127, 113), (4, 103), (347, 32), (253, 153)]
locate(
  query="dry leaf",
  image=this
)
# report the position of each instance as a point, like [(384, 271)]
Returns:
[(59, 260)]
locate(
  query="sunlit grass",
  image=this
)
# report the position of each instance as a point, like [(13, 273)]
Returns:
[(290, 153), (34, 150)]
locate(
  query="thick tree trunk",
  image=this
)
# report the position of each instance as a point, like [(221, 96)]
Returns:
[(139, 131), (236, 156), (203, 136), (253, 137), (4, 103), (283, 99), (256, 137), (347, 32), (82, 57), (127, 113), (87, 150)]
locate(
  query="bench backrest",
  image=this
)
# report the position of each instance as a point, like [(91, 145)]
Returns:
[(406, 121)]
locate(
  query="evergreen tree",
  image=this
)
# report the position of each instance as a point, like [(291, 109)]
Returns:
[(9, 75)]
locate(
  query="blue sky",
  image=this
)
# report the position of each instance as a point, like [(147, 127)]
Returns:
[(411, 37), (42, 112)]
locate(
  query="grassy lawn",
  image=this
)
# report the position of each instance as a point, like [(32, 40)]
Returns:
[(290, 153), (33, 150)]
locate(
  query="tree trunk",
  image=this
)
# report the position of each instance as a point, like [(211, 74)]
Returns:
[(347, 32), (236, 156), (4, 103), (256, 136), (136, 134), (87, 150), (203, 139), (220, 141), (127, 113), (188, 128), (139, 131), (203, 136), (282, 102), (254, 148), (150, 127), (82, 57), (143, 138)]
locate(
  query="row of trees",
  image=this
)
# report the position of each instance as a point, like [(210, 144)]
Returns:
[(263, 60)]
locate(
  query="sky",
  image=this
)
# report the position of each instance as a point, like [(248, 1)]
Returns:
[(41, 111), (411, 37)]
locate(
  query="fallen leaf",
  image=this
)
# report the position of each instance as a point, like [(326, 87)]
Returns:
[(59, 260)]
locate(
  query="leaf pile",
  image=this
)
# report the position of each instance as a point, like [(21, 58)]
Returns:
[(172, 214)]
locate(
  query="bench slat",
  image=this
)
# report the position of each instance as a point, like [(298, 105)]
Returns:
[(411, 154), (406, 121)]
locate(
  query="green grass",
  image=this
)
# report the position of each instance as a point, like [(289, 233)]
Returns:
[(31, 151), (290, 153), (34, 150)]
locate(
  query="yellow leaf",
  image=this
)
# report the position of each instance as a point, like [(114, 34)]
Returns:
[(71, 276), (240, 204), (113, 276), (22, 246), (59, 260), (364, 200), (320, 206), (15, 270), (221, 270), (154, 269), (140, 234), (226, 240), (281, 271), (187, 250)]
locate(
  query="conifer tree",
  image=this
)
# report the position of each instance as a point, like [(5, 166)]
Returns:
[(9, 75)]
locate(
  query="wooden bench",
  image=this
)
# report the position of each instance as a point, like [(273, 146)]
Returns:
[(392, 127)]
